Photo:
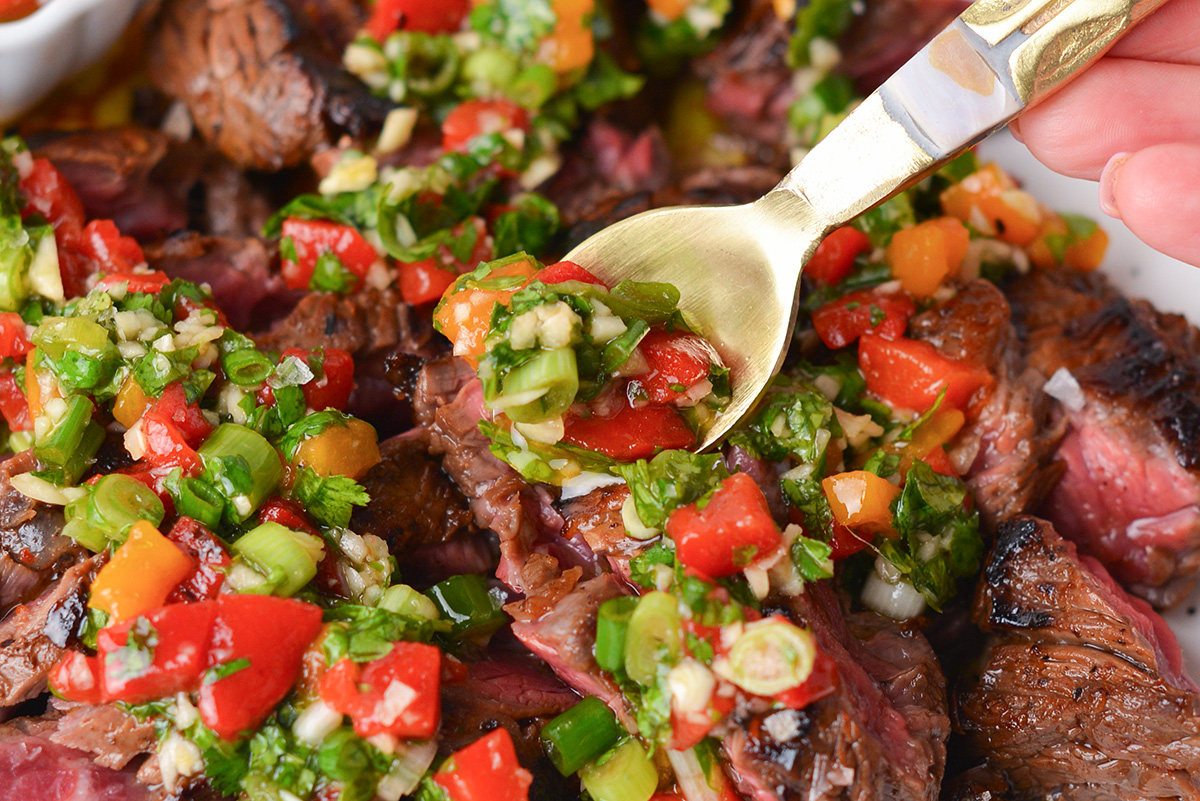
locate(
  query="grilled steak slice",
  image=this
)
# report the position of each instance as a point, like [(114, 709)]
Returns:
[(18, 583), (34, 635), (448, 402), (565, 637), (888, 33), (413, 502), (880, 735), (1006, 442), (1130, 490), (35, 768), (262, 80), (1081, 691), (111, 735), (111, 171), (238, 270)]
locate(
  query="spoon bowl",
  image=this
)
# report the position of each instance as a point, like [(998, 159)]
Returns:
[(738, 267)]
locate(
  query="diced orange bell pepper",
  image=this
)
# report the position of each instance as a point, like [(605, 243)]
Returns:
[(861, 501), (131, 403), (465, 315), (349, 450), (140, 575), (1041, 250), (669, 10), (990, 202), (935, 432), (571, 46), (1086, 255), (924, 256)]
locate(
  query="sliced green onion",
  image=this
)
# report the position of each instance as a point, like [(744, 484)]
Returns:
[(16, 253), (118, 501), (195, 499), (466, 602), (654, 638), (56, 335), (61, 442), (771, 656), (243, 465), (84, 455), (624, 774), (579, 735), (287, 558), (552, 379), (79, 529), (404, 600), (612, 623), (246, 367)]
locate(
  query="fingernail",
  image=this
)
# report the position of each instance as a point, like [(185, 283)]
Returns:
[(1108, 184), (1015, 130)]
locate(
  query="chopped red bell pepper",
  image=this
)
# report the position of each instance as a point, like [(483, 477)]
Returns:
[(734, 529), (397, 694), (688, 729), (76, 677), (910, 374), (821, 682), (834, 259), (151, 282), (486, 770), (564, 271), (426, 16), (14, 341), (313, 238), (845, 542), (631, 433), (13, 404), (173, 429), (261, 639), (157, 654), (49, 194), (424, 281), (334, 381), (844, 320), (287, 513), (212, 561), (939, 461), (479, 117), (188, 418), (102, 243), (676, 362)]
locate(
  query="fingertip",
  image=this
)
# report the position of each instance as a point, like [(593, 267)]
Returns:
[(1156, 193)]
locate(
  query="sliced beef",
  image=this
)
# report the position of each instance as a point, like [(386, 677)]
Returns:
[(152, 186), (1081, 692), (880, 735), (261, 78), (31, 532), (35, 768), (565, 637), (414, 504), (1005, 445), (374, 325), (1130, 489), (888, 32), (34, 635), (111, 735), (448, 402), (111, 170), (18, 583), (238, 270), (749, 84), (503, 690)]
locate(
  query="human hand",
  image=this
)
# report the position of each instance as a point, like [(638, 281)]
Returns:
[(1132, 122)]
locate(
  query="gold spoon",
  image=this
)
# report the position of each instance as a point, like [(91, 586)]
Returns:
[(738, 267)]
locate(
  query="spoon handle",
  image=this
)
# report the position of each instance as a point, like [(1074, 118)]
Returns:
[(989, 65)]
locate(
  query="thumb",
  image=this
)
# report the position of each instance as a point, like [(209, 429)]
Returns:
[(1156, 193)]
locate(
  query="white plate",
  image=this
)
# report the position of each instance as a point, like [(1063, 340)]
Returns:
[(1138, 270)]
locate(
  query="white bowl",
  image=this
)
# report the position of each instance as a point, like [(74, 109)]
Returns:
[(53, 43)]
